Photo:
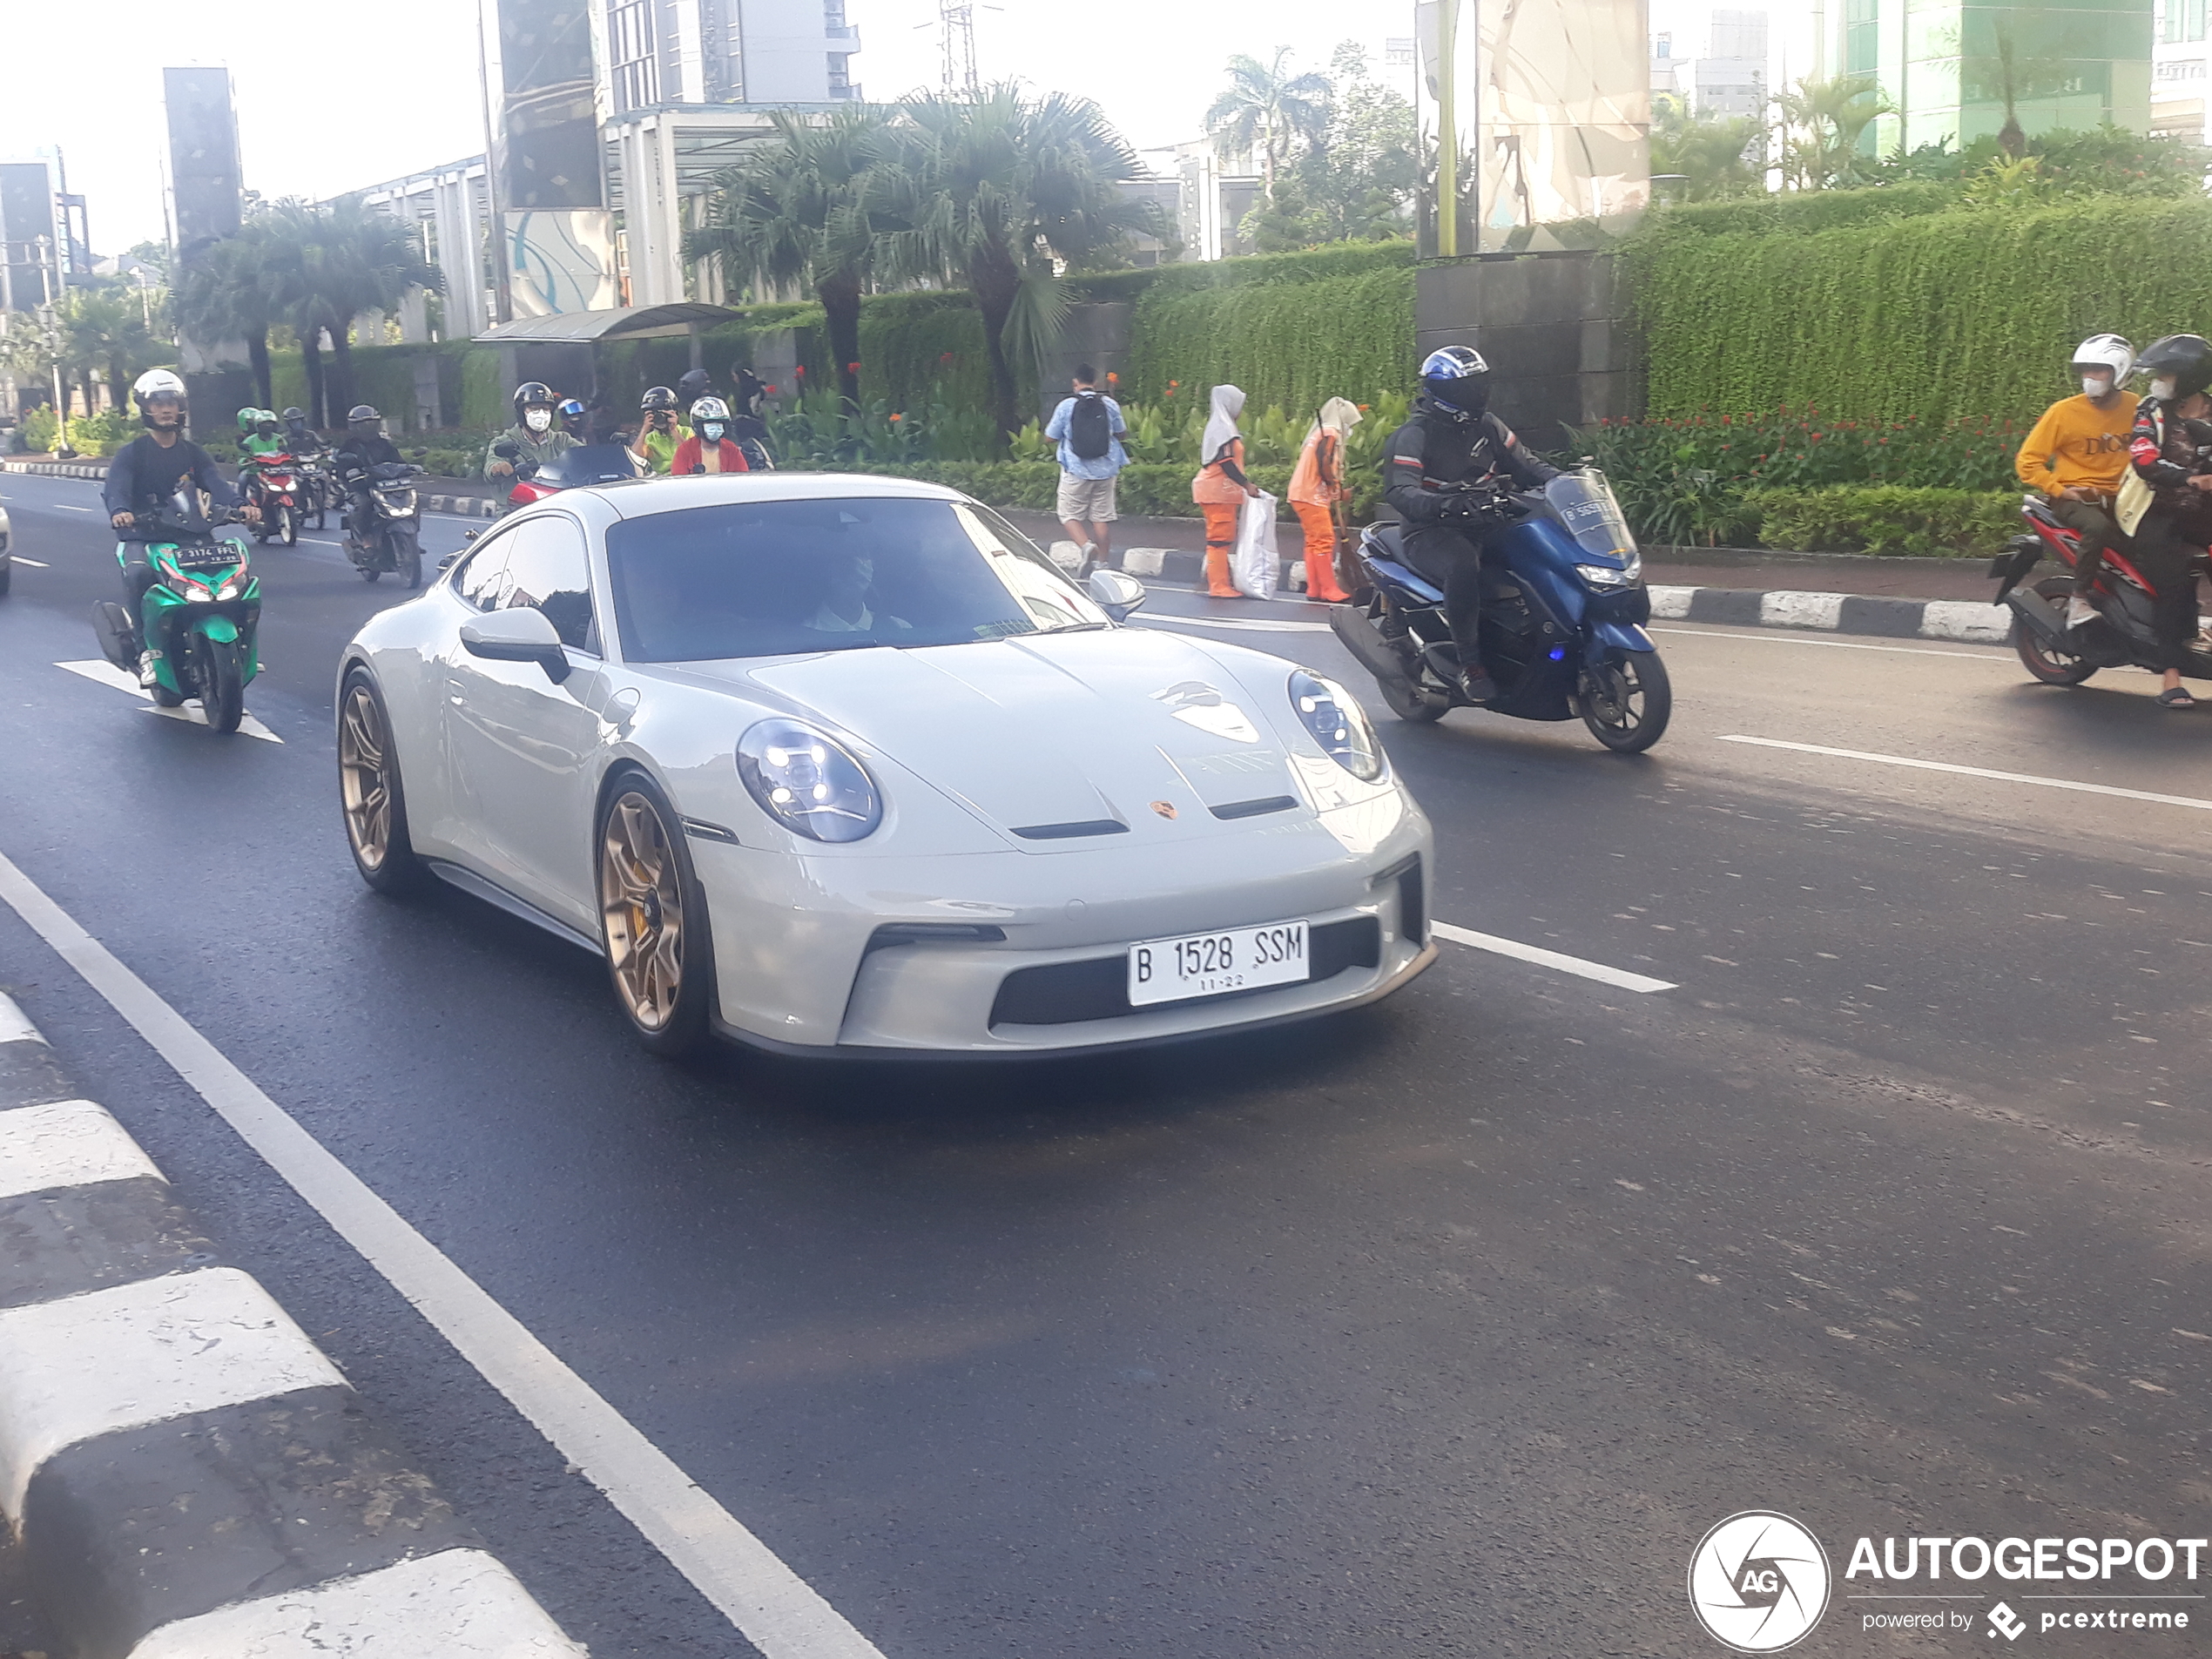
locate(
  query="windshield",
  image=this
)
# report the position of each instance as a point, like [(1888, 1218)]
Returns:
[(1584, 503), (588, 463), (775, 577)]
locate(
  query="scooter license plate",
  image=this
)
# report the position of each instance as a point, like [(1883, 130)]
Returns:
[(216, 556), (1209, 964)]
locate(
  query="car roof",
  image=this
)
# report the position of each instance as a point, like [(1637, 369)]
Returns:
[(642, 497)]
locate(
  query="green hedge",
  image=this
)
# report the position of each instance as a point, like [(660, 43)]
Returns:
[(1887, 518), (1308, 265), (1961, 315), (1291, 345)]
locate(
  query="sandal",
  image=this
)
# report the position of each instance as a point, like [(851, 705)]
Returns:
[(2176, 698)]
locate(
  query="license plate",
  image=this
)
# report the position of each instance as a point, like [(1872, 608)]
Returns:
[(1229, 959), (216, 556)]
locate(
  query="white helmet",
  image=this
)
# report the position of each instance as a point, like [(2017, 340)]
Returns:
[(2105, 351), (710, 409), (158, 383)]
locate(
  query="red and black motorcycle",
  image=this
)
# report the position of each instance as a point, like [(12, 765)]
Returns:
[(272, 483), (2120, 635), (588, 463)]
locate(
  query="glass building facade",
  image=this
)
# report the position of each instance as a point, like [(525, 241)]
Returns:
[(1952, 70)]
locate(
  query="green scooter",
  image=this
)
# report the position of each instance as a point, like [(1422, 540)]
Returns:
[(201, 616)]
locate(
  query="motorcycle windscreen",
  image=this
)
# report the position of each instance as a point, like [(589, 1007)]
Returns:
[(1585, 505), (588, 463)]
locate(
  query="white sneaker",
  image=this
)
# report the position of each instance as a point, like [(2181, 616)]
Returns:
[(2080, 610), (147, 678)]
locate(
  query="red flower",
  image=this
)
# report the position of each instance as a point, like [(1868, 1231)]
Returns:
[(898, 417), (799, 369), (945, 357), (852, 368)]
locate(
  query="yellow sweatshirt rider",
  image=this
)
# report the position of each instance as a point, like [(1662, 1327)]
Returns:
[(2077, 454)]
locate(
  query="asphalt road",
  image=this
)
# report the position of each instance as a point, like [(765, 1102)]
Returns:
[(1446, 1327)]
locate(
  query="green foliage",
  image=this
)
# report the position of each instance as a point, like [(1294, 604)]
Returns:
[(102, 434), (1967, 314), (40, 428), (923, 348), (1887, 518), (1714, 156), (483, 397), (1289, 344), (1144, 490), (1310, 264)]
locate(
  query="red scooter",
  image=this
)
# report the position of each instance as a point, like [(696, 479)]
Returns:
[(2120, 635), (588, 463), (273, 484)]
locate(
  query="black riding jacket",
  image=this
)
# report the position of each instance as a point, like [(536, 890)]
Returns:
[(1442, 447), (144, 475), (358, 453)]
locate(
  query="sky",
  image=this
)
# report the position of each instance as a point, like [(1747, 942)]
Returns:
[(334, 97)]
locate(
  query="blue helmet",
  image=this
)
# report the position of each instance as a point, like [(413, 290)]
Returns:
[(1457, 376)]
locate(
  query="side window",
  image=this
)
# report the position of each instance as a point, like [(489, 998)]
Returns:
[(549, 570), (478, 584)]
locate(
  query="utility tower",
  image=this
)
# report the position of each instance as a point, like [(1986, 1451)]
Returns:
[(956, 21)]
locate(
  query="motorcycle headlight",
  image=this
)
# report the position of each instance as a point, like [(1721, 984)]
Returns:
[(808, 782), (1338, 723), (1605, 576), (195, 591), (235, 587)]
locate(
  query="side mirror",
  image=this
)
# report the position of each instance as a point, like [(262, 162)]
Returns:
[(1116, 591), (469, 535), (507, 449), (522, 635)]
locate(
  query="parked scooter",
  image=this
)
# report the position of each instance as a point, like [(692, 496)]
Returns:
[(389, 538), (2120, 635), (588, 463), (201, 618), (1563, 610), (272, 483)]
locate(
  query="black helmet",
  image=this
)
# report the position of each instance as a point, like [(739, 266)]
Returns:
[(362, 415), (695, 383), (656, 398), (533, 394), (2186, 360), (1456, 375)]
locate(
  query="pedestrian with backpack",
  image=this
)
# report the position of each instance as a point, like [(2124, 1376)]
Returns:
[(1088, 427)]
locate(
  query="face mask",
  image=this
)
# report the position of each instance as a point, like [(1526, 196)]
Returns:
[(2163, 390), (712, 431), (2095, 386), (538, 419)]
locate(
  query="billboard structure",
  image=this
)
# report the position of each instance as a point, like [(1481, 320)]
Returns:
[(556, 233), (206, 185), (1536, 121), (29, 275)]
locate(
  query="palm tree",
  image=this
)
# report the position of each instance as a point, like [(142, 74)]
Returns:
[(1714, 155), (1266, 107), (797, 209), (1824, 121), (109, 330), (321, 268), (1001, 195), (219, 296)]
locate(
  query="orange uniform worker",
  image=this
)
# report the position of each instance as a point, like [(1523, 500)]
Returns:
[(709, 449), (1317, 485), (1221, 488)]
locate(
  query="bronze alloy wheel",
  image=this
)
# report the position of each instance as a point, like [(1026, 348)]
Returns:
[(641, 898), (365, 776)]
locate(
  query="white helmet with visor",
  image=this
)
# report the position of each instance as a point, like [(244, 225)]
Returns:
[(2102, 362)]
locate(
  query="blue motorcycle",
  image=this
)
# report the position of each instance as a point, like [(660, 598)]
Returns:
[(1563, 610)]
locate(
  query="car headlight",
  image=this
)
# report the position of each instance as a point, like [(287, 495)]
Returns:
[(1338, 723), (1605, 576), (808, 782)]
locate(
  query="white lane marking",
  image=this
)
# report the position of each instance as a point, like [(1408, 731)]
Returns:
[(1980, 771), (66, 1143), (1253, 623), (64, 507), (1542, 958), (779, 1612), (457, 1604), (15, 1024), (1837, 645), (35, 564), (103, 672), (138, 1353)]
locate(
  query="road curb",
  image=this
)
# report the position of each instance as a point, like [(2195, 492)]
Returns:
[(1966, 622), (188, 1476), (57, 469)]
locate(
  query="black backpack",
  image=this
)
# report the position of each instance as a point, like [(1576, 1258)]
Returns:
[(1091, 430)]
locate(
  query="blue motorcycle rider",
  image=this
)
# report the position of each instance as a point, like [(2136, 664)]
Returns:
[(146, 472), (1433, 469)]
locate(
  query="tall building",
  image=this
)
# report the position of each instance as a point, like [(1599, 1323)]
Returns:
[(1731, 79), (725, 51), (2178, 55), (1952, 70)]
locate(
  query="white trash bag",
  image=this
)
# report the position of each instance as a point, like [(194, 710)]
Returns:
[(1255, 565)]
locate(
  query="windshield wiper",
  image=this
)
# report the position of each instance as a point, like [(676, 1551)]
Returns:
[(1078, 628)]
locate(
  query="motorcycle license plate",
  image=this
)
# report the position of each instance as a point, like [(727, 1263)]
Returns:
[(1228, 959), (220, 557)]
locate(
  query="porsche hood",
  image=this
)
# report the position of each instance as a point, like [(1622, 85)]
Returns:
[(1058, 738)]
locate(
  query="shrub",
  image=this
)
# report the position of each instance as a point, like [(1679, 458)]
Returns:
[(40, 428), (1885, 518), (102, 434)]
